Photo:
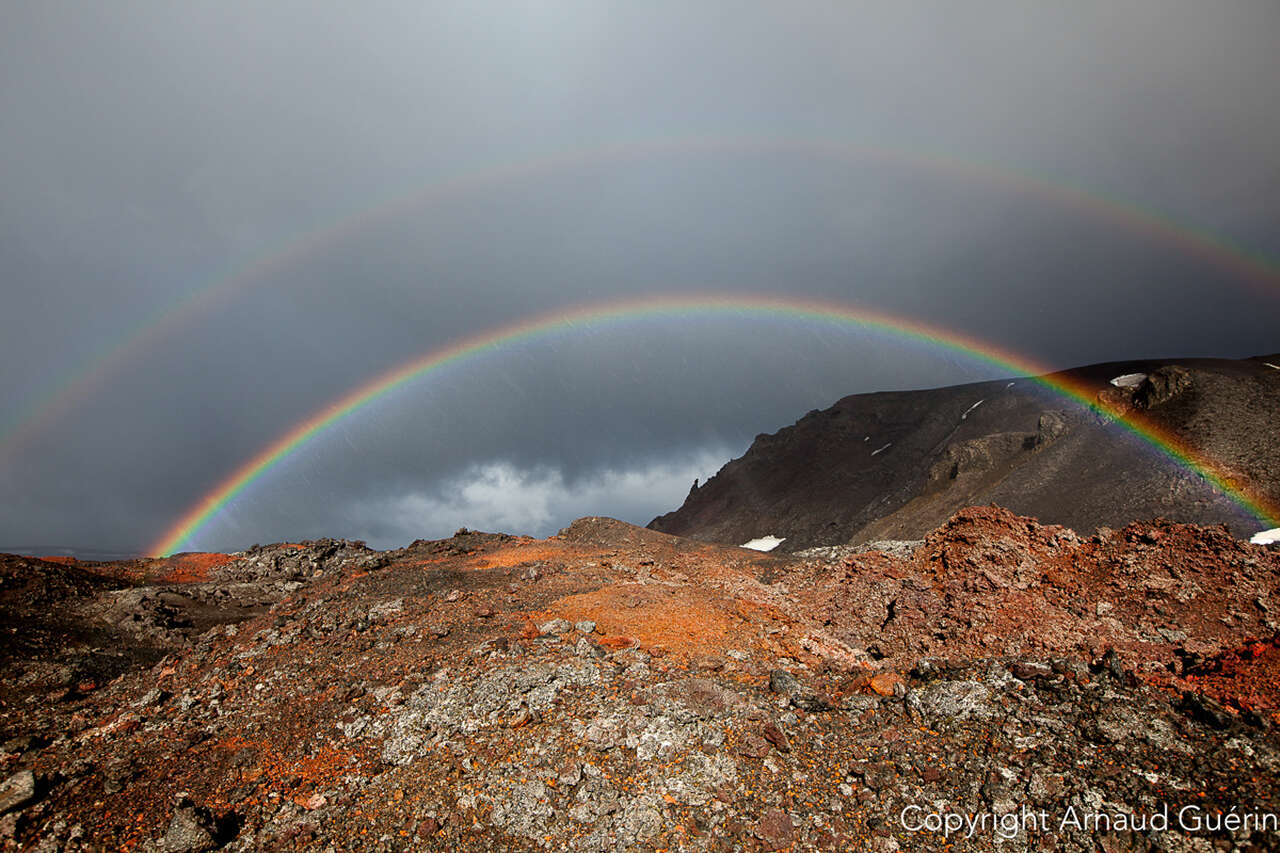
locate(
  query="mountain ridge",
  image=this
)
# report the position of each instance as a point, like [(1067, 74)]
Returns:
[(895, 464)]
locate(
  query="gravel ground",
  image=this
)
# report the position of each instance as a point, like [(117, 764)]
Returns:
[(615, 688)]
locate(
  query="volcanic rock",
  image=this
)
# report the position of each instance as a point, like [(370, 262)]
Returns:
[(800, 701), (894, 465), (191, 830), (17, 791)]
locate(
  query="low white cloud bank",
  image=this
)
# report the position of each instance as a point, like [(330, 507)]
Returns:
[(499, 496)]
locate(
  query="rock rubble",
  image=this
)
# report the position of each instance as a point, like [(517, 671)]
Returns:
[(613, 688)]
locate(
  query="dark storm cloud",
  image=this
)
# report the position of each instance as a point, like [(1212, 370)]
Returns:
[(150, 148)]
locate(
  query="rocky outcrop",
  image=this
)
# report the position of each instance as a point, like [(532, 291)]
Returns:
[(895, 465), (1161, 386)]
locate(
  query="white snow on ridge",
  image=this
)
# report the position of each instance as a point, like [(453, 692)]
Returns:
[(1267, 537), (1129, 380), (1272, 366), (1007, 387), (764, 543), (882, 449), (971, 408)]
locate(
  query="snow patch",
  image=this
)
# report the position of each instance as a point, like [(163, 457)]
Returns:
[(971, 408), (764, 543), (1272, 366), (1010, 385), (1267, 537), (1129, 380), (882, 449)]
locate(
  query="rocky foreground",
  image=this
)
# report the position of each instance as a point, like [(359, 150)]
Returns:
[(1001, 685)]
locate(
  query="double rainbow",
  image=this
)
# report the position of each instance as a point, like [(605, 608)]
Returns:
[(30, 420)]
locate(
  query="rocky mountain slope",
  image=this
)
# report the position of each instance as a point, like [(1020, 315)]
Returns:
[(617, 688), (896, 465)]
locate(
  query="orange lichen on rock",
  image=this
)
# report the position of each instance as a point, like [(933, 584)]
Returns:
[(274, 767), (189, 568), (1244, 678), (884, 683), (524, 552), (682, 621), (345, 695)]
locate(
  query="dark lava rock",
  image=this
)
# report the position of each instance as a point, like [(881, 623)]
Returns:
[(1028, 670), (1161, 386), (754, 746), (781, 681), (194, 829), (17, 791), (895, 465), (1206, 710), (191, 830)]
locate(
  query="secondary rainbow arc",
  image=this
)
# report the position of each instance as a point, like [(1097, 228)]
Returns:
[(1250, 267), (203, 511)]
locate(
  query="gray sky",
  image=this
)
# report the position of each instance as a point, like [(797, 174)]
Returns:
[(150, 148)]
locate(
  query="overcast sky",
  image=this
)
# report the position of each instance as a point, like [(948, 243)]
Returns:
[(151, 149)]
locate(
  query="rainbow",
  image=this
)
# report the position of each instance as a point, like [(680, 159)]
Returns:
[(30, 420), (682, 305)]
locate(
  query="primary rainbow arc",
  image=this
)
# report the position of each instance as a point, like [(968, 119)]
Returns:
[(675, 305)]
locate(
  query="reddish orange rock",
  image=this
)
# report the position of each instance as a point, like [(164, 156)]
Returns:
[(884, 682), (774, 735), (775, 829), (754, 746), (312, 802)]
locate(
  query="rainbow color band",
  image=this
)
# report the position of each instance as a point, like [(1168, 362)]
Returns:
[(682, 305), (83, 380)]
